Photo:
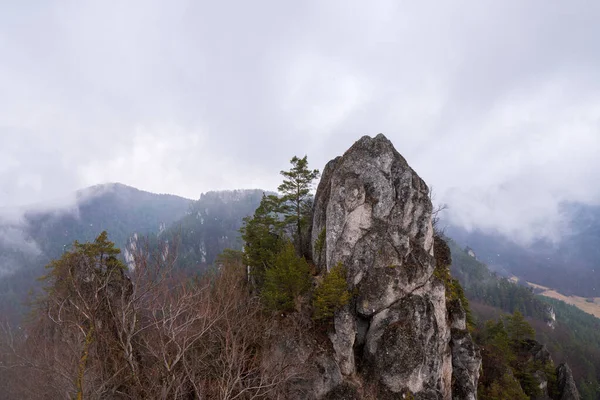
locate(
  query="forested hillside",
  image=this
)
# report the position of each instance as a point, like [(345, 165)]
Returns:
[(211, 225), (203, 229), (570, 334), (120, 209), (104, 329), (47, 234)]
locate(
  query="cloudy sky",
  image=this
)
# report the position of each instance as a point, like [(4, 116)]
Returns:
[(494, 103)]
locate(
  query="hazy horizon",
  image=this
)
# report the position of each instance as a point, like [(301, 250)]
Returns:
[(496, 107)]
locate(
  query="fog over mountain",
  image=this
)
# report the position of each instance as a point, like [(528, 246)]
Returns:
[(494, 103), (32, 235)]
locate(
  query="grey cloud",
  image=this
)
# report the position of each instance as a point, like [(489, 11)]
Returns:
[(13, 237), (14, 242), (495, 104)]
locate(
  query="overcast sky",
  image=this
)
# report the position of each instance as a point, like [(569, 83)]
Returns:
[(494, 103)]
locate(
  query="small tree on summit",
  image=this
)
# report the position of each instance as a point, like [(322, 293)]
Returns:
[(295, 200), (84, 288), (518, 328)]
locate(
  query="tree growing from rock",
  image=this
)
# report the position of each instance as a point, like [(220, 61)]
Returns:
[(295, 199), (332, 294), (288, 278), (107, 331), (518, 328), (263, 237)]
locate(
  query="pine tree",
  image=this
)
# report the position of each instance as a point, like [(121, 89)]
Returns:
[(262, 235), (84, 287), (295, 200), (288, 278), (518, 328), (332, 294)]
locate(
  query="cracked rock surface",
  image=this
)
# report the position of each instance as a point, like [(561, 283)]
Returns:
[(395, 336)]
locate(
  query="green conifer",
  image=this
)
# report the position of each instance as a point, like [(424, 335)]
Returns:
[(332, 294)]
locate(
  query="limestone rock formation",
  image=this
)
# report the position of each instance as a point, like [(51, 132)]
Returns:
[(466, 363), (466, 360), (550, 317), (538, 354), (396, 337), (566, 384)]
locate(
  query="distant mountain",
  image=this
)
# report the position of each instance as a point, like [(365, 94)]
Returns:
[(118, 209), (43, 231), (211, 225), (202, 229), (571, 265)]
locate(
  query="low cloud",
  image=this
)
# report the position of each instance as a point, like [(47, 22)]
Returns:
[(15, 244), (495, 104), (13, 237)]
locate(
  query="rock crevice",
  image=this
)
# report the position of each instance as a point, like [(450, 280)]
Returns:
[(396, 336)]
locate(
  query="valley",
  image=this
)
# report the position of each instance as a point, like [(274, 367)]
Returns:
[(590, 305)]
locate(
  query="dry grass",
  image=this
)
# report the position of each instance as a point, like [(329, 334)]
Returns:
[(582, 303)]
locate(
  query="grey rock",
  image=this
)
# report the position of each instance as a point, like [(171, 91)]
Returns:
[(466, 363), (313, 371), (407, 345), (539, 354), (550, 317), (542, 381), (566, 384), (466, 358), (395, 336), (377, 217), (342, 339)]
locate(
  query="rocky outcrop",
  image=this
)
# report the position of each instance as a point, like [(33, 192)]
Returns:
[(538, 354), (566, 384), (466, 363), (466, 360), (550, 316), (396, 337)]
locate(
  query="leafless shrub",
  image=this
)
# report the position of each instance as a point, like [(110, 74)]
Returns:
[(438, 230), (148, 333)]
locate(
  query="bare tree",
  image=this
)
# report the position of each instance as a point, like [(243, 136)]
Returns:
[(435, 214), (143, 332)]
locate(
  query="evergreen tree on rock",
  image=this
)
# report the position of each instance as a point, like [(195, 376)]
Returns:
[(295, 200)]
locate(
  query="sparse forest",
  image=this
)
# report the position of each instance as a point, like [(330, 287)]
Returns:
[(104, 329), (187, 315), (574, 337)]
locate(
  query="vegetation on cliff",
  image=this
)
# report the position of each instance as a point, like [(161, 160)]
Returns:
[(103, 331), (332, 294), (572, 338), (108, 330)]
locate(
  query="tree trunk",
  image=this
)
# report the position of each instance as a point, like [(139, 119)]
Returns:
[(298, 225), (83, 363)]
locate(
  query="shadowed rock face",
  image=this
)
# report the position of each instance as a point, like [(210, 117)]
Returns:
[(466, 360), (566, 384), (466, 363), (395, 336)]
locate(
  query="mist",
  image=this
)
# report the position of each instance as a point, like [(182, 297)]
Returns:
[(495, 104)]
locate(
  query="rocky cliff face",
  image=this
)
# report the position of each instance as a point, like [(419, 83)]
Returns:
[(397, 338)]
